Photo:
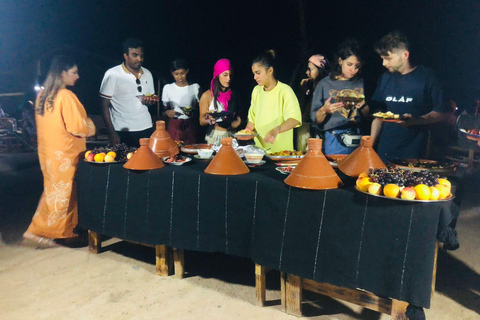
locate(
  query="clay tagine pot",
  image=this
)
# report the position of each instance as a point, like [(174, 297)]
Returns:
[(226, 161), (161, 143), (144, 158), (361, 159), (314, 171)]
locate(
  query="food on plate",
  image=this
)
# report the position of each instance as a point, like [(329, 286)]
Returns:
[(245, 131), (175, 158), (394, 182), (152, 97), (386, 115), (286, 153), (286, 169), (473, 131), (118, 152)]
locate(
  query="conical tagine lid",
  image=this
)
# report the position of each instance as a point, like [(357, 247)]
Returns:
[(144, 158), (361, 159), (161, 143), (314, 171), (226, 161)]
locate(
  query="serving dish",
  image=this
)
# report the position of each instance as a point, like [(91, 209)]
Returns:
[(464, 131), (193, 148), (177, 162), (424, 164), (285, 170), (103, 162), (450, 197), (334, 159)]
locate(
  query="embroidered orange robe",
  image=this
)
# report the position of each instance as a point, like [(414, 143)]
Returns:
[(61, 134)]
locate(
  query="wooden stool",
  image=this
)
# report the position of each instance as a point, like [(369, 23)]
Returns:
[(163, 255)]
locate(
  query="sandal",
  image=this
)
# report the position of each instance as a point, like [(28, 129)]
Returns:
[(38, 242)]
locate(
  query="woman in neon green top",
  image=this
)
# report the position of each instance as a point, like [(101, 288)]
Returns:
[(274, 109)]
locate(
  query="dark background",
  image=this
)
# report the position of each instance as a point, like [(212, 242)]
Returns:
[(445, 35)]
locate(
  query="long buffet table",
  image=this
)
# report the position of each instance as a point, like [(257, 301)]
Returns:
[(341, 237)]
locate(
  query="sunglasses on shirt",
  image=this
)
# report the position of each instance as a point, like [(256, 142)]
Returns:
[(139, 88)]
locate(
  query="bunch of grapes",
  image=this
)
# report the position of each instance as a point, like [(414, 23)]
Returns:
[(121, 149), (402, 178)]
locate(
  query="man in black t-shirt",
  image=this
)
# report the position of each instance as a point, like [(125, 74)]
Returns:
[(413, 92)]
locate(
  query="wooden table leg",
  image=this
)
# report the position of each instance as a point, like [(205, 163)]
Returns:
[(260, 284), (179, 261), (94, 242), (398, 310), (162, 260), (283, 289), (293, 295)]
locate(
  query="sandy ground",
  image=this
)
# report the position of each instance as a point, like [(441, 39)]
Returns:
[(121, 283)]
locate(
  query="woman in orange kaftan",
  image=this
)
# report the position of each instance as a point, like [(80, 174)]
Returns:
[(62, 126)]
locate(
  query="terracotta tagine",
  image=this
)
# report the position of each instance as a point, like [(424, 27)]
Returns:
[(361, 159), (144, 158), (161, 143), (226, 161), (314, 171)]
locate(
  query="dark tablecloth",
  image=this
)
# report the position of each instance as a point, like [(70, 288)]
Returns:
[(341, 236)]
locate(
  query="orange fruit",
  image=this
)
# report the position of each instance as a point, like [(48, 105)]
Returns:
[(422, 192), (434, 193), (112, 153), (391, 190), (445, 182), (363, 174), (363, 183), (99, 157), (375, 188), (444, 190), (109, 158)]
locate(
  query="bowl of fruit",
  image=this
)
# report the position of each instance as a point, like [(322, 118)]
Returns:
[(118, 153), (404, 185)]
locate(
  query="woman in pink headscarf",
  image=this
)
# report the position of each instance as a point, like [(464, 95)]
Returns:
[(218, 108), (317, 69)]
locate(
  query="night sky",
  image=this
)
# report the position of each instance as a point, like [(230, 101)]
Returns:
[(446, 37)]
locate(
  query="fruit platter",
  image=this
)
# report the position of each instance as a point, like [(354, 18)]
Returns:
[(424, 164), (177, 160), (193, 148), (110, 154), (245, 135), (471, 132), (405, 185), (285, 155)]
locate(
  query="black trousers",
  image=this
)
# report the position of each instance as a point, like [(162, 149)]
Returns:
[(132, 138)]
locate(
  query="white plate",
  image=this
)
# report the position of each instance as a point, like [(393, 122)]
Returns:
[(254, 163), (200, 158), (469, 134), (187, 159), (282, 170)]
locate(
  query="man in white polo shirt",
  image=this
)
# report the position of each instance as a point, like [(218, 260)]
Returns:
[(123, 90)]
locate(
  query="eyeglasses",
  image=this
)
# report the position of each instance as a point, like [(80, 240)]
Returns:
[(139, 88)]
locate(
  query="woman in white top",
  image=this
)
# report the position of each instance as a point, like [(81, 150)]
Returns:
[(220, 100), (181, 104)]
